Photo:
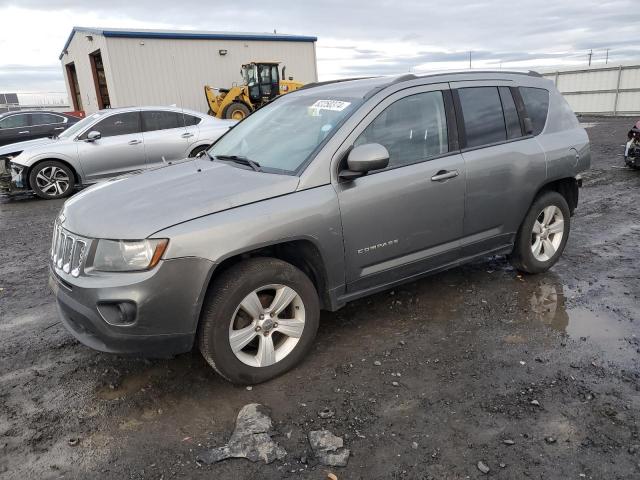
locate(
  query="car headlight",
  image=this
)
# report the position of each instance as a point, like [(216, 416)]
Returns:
[(128, 255)]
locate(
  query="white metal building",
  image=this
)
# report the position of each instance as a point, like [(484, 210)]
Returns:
[(602, 89), (115, 68)]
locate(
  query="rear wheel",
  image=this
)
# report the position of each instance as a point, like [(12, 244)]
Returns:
[(543, 234), (51, 179), (259, 320), (236, 111)]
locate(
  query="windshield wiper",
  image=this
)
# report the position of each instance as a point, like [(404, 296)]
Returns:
[(240, 160)]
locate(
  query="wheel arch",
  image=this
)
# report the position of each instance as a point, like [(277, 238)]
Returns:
[(76, 175), (568, 187), (301, 253)]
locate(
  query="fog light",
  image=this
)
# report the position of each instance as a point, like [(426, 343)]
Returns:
[(118, 313)]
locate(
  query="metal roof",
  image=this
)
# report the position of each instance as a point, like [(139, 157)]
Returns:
[(186, 35)]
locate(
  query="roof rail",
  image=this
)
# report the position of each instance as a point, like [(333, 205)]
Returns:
[(329, 82)]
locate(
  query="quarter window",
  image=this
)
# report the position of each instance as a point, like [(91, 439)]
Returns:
[(190, 120), (46, 119), (536, 102), (483, 118), (412, 129), (511, 118), (118, 124), (160, 120), (14, 121)]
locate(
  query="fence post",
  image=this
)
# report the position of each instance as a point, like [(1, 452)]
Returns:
[(615, 101)]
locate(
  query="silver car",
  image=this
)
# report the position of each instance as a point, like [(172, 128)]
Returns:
[(109, 143)]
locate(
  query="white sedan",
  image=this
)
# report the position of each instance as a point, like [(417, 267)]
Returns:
[(109, 143)]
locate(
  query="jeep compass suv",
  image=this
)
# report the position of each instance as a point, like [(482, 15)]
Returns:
[(325, 195)]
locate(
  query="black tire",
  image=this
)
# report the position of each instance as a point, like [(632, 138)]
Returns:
[(522, 256), (60, 188), (222, 302), (197, 150), (236, 111)]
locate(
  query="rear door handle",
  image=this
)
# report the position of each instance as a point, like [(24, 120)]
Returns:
[(25, 131), (134, 142), (59, 128), (186, 135), (444, 175)]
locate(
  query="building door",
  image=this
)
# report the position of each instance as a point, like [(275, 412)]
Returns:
[(99, 80), (74, 87)]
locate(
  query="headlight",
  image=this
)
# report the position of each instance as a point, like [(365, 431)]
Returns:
[(128, 255)]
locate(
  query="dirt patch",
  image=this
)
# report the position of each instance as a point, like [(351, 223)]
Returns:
[(425, 381)]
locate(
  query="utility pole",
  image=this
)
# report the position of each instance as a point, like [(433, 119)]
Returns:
[(606, 60), (469, 59), (590, 55)]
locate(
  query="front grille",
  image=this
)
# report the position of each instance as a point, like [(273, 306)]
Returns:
[(68, 252)]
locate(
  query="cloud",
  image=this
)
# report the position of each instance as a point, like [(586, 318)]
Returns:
[(358, 37)]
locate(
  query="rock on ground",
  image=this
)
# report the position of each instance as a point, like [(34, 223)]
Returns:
[(328, 448), (250, 439)]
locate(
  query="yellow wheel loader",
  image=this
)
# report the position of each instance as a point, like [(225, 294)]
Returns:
[(262, 84)]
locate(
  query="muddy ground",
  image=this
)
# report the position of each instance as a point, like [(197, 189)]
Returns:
[(470, 350)]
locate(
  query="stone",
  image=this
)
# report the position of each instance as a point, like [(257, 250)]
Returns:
[(326, 413), (483, 467), (251, 439), (508, 442), (329, 448)]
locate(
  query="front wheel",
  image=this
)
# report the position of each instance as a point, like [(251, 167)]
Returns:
[(51, 179), (259, 320), (543, 234)]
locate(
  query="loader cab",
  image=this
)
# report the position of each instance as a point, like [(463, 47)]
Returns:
[(262, 80)]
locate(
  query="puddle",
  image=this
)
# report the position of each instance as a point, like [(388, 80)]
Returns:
[(605, 330)]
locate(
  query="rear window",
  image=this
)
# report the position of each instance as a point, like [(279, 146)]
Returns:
[(482, 113), (536, 102), (160, 120)]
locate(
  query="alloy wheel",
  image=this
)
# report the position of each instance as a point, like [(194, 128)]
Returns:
[(52, 180), (267, 325), (548, 230)]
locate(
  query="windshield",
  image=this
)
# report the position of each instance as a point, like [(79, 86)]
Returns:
[(76, 128), (281, 136)]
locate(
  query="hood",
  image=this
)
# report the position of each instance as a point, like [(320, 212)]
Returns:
[(21, 146), (136, 206)]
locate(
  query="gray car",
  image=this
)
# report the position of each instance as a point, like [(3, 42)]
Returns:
[(109, 143), (327, 194)]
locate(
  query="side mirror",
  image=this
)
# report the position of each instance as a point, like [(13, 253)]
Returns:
[(93, 136), (528, 126), (363, 159)]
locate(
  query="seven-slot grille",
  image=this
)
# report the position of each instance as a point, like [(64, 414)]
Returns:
[(67, 251)]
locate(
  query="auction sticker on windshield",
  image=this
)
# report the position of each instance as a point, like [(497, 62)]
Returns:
[(333, 105)]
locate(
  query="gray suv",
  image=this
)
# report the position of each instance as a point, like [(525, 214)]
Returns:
[(325, 195)]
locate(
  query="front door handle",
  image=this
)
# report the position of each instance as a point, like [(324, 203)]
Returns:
[(134, 142), (186, 135), (59, 128), (444, 175), (23, 132)]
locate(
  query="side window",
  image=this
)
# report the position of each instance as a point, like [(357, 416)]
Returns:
[(160, 120), (511, 118), (45, 119), (119, 124), (190, 120), (15, 121), (412, 129), (536, 102), (482, 112)]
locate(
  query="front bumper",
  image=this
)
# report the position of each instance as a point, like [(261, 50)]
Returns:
[(166, 303), (12, 177)]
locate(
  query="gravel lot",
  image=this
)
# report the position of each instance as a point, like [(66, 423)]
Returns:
[(479, 355)]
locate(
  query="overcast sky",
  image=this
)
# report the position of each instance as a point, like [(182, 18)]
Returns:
[(355, 37)]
